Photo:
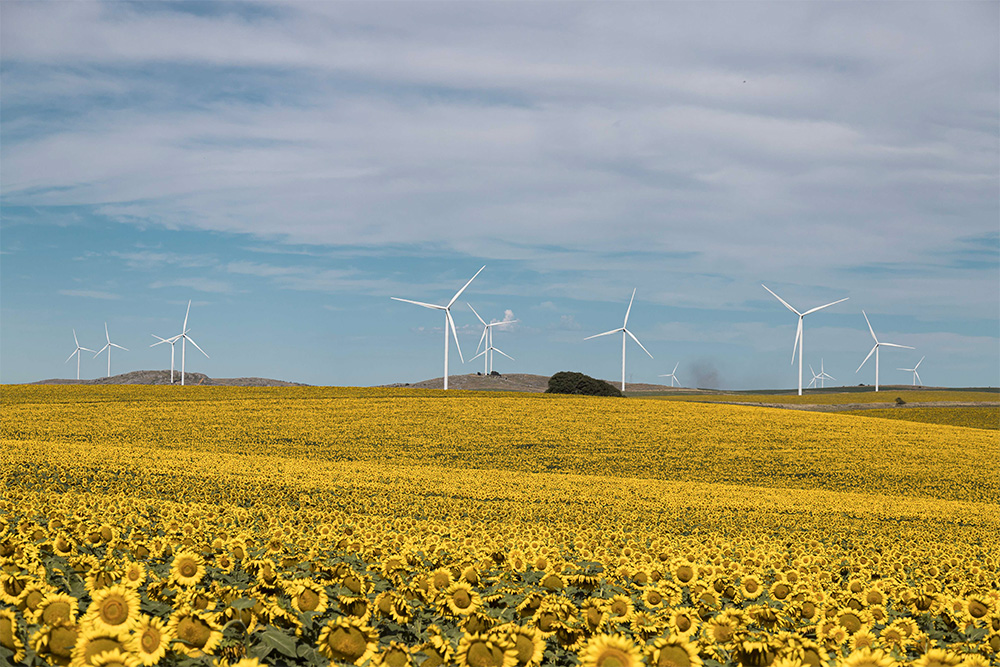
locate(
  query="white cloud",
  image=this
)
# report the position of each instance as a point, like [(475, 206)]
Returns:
[(90, 294)]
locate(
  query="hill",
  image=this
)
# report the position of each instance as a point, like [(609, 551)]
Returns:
[(530, 383), (163, 377)]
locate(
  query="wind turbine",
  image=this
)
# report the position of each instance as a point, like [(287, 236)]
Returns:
[(875, 349), (798, 331), (916, 376), (77, 353), (487, 336), (172, 341), (448, 321), (625, 332), (108, 348), (823, 375), (673, 375), (184, 338), (816, 378)]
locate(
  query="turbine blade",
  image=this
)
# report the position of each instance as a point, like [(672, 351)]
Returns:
[(119, 346), (76, 351), (798, 339), (629, 308), (475, 313), (675, 367), (419, 303), (905, 347), (496, 349), (870, 327), (459, 292), (74, 338), (483, 337), (450, 322), (638, 343), (780, 299), (98, 353), (826, 306), (918, 364), (812, 371), (918, 377), (606, 333), (868, 357), (87, 349), (184, 328), (191, 340), (479, 355), (106, 334)]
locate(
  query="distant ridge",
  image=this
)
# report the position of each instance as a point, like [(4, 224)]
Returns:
[(525, 382), (190, 379)]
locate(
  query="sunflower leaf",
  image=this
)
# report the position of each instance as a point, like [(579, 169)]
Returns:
[(278, 641)]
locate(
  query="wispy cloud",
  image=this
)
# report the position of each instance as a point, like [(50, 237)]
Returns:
[(199, 284), (89, 294)]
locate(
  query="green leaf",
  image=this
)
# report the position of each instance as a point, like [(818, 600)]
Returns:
[(276, 640)]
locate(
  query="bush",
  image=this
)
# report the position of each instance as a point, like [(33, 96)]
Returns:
[(568, 382)]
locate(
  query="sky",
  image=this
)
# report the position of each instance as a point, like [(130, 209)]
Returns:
[(290, 167)]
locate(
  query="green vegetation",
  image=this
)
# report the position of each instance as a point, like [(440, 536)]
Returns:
[(568, 382)]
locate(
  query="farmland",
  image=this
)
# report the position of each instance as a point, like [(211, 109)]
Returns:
[(378, 526)]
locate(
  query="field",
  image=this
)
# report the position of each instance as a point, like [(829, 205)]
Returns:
[(209, 525)]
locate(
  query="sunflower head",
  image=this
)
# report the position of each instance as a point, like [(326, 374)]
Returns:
[(460, 599), (394, 655), (114, 610), (55, 641), (150, 640), (115, 658), (194, 633), (610, 651), (672, 652), (57, 607), (478, 650), (91, 642), (347, 640), (188, 568)]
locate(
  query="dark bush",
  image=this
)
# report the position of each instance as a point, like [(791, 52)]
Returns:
[(568, 382)]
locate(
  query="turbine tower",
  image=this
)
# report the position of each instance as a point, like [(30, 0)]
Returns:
[(916, 376), (798, 331), (875, 349), (172, 341), (448, 321), (673, 375), (77, 353), (108, 348), (624, 332), (823, 375)]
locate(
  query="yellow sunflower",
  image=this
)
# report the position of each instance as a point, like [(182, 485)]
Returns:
[(113, 610), (54, 642), (721, 629), (115, 658), (193, 633), (751, 587), (308, 596), (57, 607), (90, 643), (683, 621), (436, 650), (527, 641), (347, 640), (188, 568), (150, 640), (593, 615), (134, 575), (610, 651), (620, 609), (937, 657), (478, 650), (460, 599), (396, 654), (865, 657), (672, 652)]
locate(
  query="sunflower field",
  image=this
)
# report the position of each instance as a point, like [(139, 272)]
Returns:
[(317, 526)]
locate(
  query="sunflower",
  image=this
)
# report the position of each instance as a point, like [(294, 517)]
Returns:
[(134, 575), (188, 568), (396, 654), (11, 586), (610, 651), (56, 607), (973, 660), (620, 609), (645, 625), (721, 629), (103, 575), (347, 640), (751, 587), (756, 649), (436, 650), (683, 621), (865, 657), (308, 596), (115, 658), (150, 640), (672, 652), (527, 641), (853, 620), (683, 571), (54, 642), (593, 614), (937, 657), (460, 599), (194, 633), (90, 643), (113, 610), (862, 639), (478, 650), (31, 597), (974, 608)]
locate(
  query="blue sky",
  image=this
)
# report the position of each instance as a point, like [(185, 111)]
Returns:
[(289, 167)]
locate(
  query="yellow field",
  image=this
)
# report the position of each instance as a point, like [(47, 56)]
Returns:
[(886, 395), (988, 417), (300, 525)]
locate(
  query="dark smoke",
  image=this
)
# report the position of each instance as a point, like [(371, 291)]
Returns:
[(705, 375)]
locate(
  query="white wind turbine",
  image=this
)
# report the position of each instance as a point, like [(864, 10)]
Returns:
[(625, 332), (798, 331), (108, 348), (487, 336), (875, 349), (820, 377), (816, 378), (172, 341), (77, 353), (916, 376), (448, 321), (184, 338), (673, 375)]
